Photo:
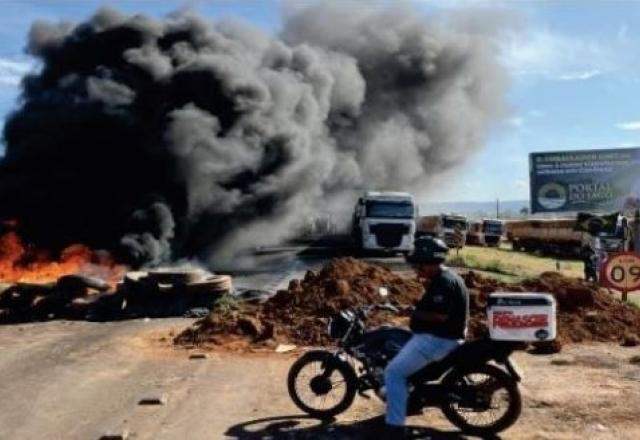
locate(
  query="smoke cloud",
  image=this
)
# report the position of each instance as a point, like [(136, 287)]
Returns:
[(166, 138)]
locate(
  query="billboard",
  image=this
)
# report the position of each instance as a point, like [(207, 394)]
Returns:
[(585, 180)]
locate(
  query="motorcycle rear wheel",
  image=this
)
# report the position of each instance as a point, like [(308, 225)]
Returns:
[(323, 374), (480, 421)]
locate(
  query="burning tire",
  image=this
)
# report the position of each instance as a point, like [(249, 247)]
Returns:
[(138, 287), (77, 282), (214, 284), (173, 277)]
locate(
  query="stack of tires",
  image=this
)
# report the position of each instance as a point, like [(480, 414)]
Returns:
[(167, 292), (70, 297)]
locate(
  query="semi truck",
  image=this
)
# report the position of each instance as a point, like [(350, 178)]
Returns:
[(451, 228), (492, 231), (385, 221), (486, 232), (559, 237), (548, 236), (474, 235)]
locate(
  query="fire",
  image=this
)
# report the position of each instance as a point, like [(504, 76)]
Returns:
[(20, 263)]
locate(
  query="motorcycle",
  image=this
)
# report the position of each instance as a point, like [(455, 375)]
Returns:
[(475, 386)]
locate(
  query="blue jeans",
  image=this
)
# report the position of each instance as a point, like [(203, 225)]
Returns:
[(422, 349)]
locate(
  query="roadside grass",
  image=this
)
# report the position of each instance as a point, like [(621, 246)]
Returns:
[(634, 299), (509, 265)]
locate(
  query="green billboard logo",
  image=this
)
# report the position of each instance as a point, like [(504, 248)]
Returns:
[(552, 195)]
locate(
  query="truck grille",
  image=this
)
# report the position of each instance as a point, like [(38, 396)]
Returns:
[(389, 235)]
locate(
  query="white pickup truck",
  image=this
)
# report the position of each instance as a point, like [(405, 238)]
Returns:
[(385, 221)]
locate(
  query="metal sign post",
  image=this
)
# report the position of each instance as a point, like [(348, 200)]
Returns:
[(459, 237)]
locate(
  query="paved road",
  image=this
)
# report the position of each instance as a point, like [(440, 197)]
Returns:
[(62, 380), (273, 268), (81, 380)]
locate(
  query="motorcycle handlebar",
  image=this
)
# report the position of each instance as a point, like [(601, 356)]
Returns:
[(390, 307)]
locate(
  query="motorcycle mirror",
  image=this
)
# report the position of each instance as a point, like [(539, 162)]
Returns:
[(383, 291)]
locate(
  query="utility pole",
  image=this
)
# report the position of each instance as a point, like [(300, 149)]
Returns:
[(497, 208), (636, 231)]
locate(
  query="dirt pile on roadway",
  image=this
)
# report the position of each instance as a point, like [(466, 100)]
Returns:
[(299, 314), (585, 312)]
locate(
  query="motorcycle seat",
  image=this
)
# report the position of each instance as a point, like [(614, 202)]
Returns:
[(468, 354)]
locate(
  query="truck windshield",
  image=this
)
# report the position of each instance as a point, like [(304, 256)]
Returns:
[(390, 209), (454, 223), (492, 228)]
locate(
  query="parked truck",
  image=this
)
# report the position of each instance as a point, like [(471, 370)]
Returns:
[(474, 234), (385, 221), (548, 236), (560, 237), (451, 228), (492, 231)]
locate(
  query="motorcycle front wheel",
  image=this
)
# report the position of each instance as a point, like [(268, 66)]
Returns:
[(322, 385), (487, 400)]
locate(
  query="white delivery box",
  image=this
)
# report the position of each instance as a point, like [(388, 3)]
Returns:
[(521, 316)]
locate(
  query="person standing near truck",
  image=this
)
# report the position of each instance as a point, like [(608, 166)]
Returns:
[(590, 260)]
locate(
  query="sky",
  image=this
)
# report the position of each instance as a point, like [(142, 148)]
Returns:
[(574, 67)]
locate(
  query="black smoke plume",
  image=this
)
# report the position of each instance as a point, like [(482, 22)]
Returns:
[(177, 137)]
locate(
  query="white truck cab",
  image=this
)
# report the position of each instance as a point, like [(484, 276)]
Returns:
[(385, 221)]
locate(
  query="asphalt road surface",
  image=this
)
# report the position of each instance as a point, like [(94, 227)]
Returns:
[(82, 380), (78, 380)]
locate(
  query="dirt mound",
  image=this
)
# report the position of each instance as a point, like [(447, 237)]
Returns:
[(299, 314), (585, 312)]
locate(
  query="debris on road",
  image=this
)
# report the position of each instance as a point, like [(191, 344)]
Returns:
[(198, 356), (299, 314), (71, 296), (157, 293), (153, 400), (285, 348), (124, 435)]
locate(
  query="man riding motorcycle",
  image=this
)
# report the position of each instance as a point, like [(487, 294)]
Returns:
[(438, 323)]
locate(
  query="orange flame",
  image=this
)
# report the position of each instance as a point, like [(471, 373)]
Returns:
[(21, 264)]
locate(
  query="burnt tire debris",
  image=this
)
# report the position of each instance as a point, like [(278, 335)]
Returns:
[(157, 293)]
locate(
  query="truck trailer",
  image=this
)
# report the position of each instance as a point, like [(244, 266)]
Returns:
[(560, 237)]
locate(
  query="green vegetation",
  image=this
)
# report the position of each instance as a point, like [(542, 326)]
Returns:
[(226, 303), (509, 265)]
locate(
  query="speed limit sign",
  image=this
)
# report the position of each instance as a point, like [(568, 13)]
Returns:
[(621, 271)]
